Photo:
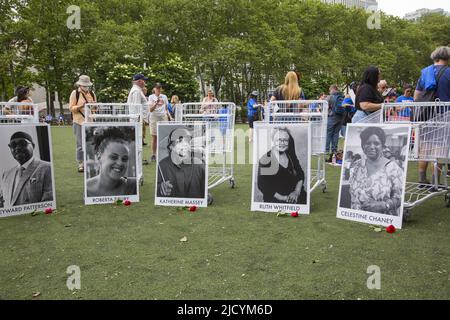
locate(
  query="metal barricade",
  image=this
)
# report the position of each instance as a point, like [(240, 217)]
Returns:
[(119, 112), (430, 142), (220, 117), (305, 111), (15, 112)]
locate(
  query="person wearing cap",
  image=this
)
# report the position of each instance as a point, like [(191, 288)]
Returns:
[(78, 98), (252, 113), (181, 174), (158, 112), (137, 97), (30, 181)]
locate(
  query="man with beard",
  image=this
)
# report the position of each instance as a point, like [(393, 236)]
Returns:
[(181, 174), (28, 182)]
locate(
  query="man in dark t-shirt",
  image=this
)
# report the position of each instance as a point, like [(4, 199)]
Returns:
[(181, 174)]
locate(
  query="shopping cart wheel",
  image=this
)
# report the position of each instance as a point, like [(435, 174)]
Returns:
[(406, 215), (210, 199), (232, 183), (447, 200)]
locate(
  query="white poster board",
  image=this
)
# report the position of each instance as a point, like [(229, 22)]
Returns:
[(110, 162), (27, 180), (281, 167), (373, 175), (182, 164)]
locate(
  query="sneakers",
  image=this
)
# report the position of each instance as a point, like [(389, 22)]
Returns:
[(145, 162), (81, 167), (143, 143), (153, 158)]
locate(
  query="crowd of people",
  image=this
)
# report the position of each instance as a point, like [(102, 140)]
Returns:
[(356, 102), (366, 97)]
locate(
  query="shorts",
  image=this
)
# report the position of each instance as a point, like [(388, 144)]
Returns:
[(154, 119)]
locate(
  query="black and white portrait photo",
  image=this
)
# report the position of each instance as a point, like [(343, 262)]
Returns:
[(374, 173), (281, 167), (110, 162), (27, 180), (182, 171)]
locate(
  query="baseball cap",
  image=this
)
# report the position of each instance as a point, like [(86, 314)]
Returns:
[(178, 133), (140, 76)]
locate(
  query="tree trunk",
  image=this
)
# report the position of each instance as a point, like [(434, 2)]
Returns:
[(47, 98), (52, 102), (4, 93)]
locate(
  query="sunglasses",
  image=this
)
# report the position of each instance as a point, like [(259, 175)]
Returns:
[(19, 144)]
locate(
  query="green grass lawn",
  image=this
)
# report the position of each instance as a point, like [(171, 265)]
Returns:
[(231, 253)]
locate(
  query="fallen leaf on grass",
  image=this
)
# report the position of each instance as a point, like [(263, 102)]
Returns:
[(281, 214), (36, 294), (34, 213), (377, 230), (316, 261), (184, 239)]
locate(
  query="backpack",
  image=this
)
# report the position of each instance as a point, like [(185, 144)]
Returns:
[(430, 94), (337, 104), (77, 96)]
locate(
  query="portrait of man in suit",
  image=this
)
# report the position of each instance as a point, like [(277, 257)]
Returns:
[(30, 181)]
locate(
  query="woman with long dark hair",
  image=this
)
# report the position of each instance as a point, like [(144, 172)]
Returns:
[(280, 175), (368, 98)]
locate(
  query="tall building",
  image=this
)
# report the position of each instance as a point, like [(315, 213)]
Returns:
[(364, 4), (416, 15)]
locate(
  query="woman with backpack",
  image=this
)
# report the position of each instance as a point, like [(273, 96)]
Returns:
[(434, 83), (78, 98)]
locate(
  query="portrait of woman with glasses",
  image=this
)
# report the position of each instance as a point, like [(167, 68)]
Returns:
[(281, 178)]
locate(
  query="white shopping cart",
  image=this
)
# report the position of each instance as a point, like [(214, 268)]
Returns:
[(15, 112), (119, 112), (220, 117), (430, 141), (305, 111)]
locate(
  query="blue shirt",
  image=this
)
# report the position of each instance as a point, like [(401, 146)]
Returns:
[(251, 110), (406, 112), (443, 87), (403, 98)]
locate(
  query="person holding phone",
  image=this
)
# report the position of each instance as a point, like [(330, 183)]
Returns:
[(158, 112)]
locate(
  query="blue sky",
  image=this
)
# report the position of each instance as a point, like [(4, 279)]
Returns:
[(400, 7)]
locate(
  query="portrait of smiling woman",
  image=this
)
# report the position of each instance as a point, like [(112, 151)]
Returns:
[(376, 180), (114, 172)]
